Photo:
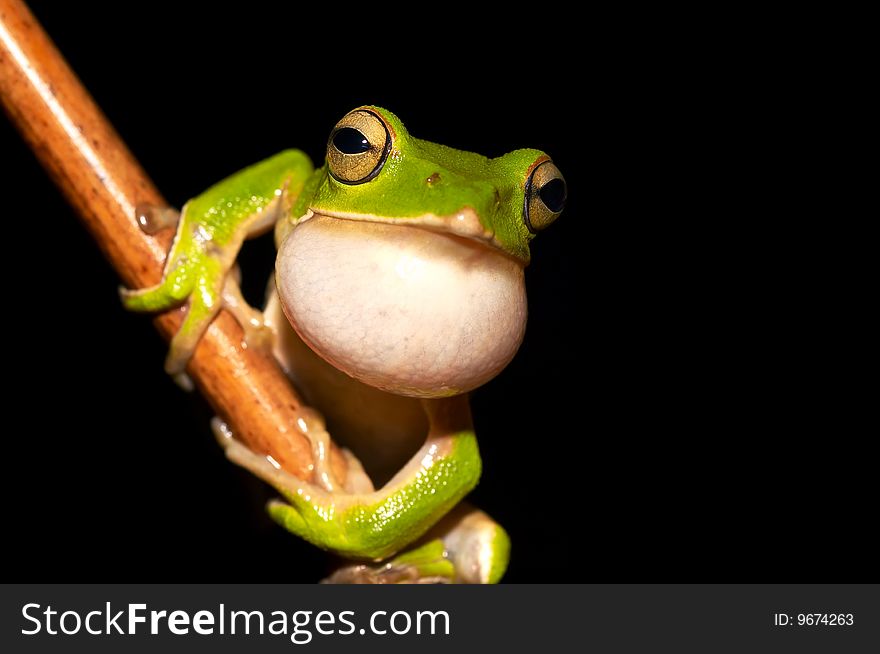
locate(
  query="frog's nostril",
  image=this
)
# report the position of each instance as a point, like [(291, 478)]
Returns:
[(433, 179)]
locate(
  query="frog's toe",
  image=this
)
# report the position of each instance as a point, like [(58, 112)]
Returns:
[(467, 547), (425, 564), (258, 335), (480, 552), (176, 286), (184, 381), (179, 354), (152, 218), (475, 544), (150, 299), (204, 304), (257, 332)]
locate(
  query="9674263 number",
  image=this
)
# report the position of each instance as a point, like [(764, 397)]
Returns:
[(813, 620), (827, 619)]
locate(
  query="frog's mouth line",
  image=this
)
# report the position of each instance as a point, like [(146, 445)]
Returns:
[(464, 223)]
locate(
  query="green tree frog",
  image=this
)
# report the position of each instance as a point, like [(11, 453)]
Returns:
[(398, 289)]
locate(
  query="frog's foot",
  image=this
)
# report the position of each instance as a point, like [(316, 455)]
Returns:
[(356, 479), (311, 424), (425, 564), (153, 218), (465, 547), (196, 275), (355, 521), (257, 332), (197, 283), (477, 545)]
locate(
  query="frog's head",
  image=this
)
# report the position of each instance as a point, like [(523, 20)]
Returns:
[(405, 265)]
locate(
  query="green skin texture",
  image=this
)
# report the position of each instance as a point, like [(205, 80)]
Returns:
[(379, 529), (214, 225)]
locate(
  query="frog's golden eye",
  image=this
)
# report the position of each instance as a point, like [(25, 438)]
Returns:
[(545, 196), (358, 147)]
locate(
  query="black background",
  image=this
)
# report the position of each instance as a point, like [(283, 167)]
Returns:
[(653, 426)]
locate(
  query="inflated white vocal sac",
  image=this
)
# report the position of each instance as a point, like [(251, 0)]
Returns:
[(408, 310)]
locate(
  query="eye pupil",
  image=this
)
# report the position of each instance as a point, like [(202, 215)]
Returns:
[(350, 141), (553, 195), (358, 147)]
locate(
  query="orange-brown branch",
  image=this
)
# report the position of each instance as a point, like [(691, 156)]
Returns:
[(101, 179)]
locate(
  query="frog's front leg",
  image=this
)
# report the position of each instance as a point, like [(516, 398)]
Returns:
[(210, 232), (375, 525)]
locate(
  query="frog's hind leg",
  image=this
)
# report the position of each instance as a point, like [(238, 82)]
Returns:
[(466, 546)]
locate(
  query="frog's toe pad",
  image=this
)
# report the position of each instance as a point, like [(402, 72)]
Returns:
[(153, 218), (479, 547), (259, 336)]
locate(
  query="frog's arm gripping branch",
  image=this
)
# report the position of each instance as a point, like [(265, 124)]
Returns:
[(210, 233), (104, 183)]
